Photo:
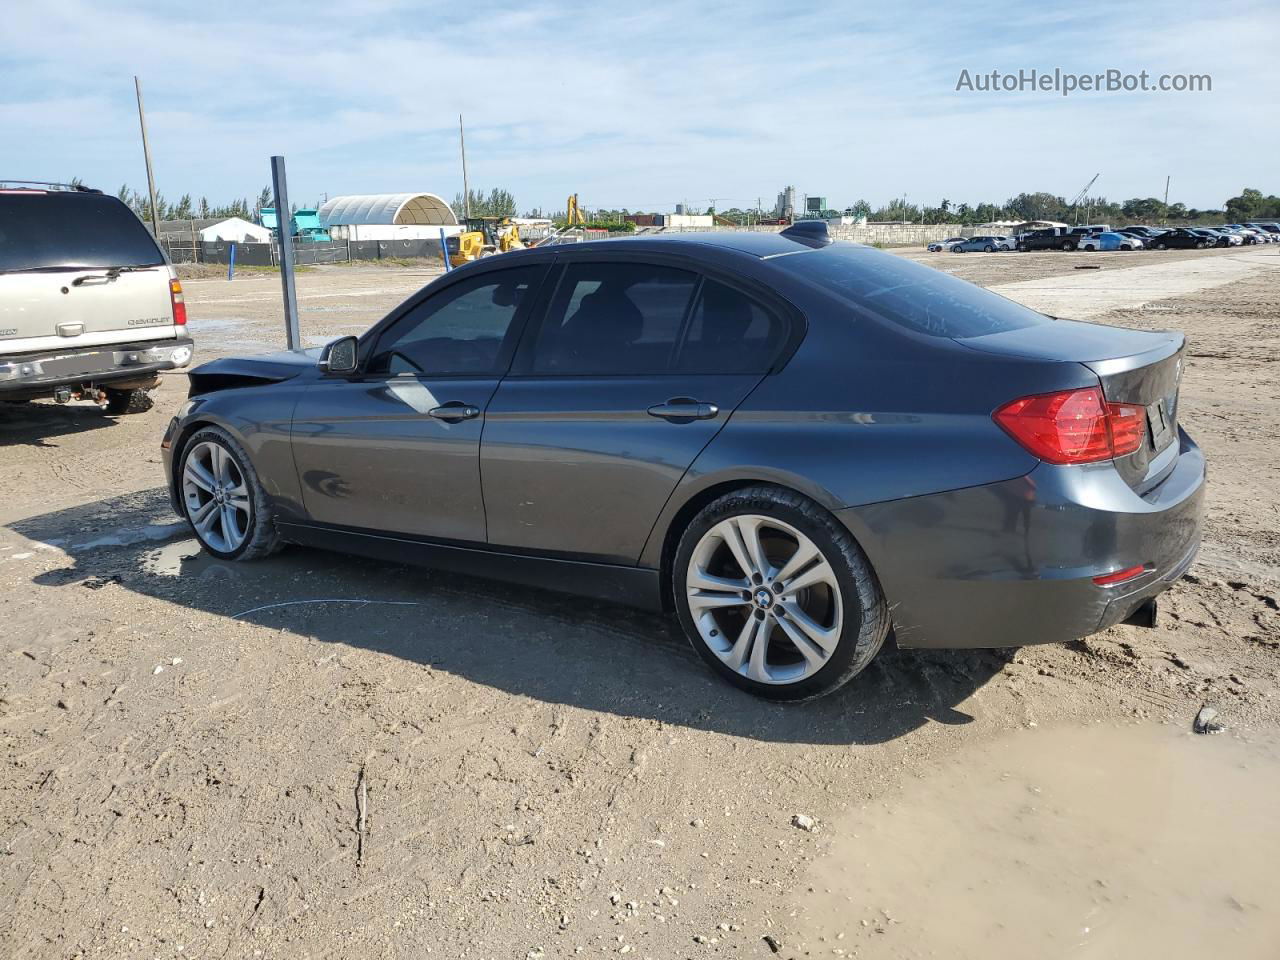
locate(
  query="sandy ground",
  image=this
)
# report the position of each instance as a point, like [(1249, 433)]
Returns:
[(191, 748)]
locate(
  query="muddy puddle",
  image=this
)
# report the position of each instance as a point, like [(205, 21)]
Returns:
[(1090, 843)]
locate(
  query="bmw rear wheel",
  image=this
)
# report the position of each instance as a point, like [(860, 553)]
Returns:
[(223, 499), (776, 595)]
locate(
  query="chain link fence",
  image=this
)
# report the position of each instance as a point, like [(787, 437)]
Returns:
[(268, 254)]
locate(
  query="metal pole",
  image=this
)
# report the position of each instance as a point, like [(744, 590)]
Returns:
[(231, 263), (444, 251), (466, 189), (146, 155), (292, 338)]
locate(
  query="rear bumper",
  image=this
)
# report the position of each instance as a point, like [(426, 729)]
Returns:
[(38, 373), (1012, 563)]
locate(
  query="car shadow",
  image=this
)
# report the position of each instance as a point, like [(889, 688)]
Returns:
[(35, 424), (551, 647)]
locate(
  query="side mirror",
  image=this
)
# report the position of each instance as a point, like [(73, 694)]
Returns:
[(339, 356)]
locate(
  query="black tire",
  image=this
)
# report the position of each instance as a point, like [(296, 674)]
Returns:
[(1069, 246), (1162, 246), (988, 249), (262, 538), (122, 402), (866, 614), (956, 249)]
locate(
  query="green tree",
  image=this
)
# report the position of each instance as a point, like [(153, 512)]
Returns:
[(182, 210), (1037, 206), (496, 203)]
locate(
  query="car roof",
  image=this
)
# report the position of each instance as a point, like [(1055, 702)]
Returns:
[(749, 243)]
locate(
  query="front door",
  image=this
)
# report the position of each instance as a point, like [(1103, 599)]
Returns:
[(632, 371), (395, 447)]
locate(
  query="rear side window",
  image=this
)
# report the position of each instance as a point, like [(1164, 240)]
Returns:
[(613, 319), (44, 230), (909, 294), (729, 333)]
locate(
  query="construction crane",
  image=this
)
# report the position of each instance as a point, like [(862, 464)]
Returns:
[(573, 216), (1075, 201)]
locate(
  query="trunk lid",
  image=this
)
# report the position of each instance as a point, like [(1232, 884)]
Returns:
[(1133, 366), (52, 310)]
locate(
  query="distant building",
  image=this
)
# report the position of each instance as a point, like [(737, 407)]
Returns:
[(683, 220), (388, 216), (237, 230), (785, 208)]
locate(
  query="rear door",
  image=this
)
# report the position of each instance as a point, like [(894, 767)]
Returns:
[(78, 270), (632, 370)]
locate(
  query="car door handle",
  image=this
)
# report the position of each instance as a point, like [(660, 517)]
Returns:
[(684, 410), (454, 411)]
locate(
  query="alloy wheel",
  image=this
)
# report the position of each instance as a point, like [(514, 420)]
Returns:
[(764, 599), (216, 495)]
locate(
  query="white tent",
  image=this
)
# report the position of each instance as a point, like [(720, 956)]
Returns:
[(236, 229), (388, 216)]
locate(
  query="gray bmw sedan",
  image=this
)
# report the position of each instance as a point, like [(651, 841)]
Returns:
[(795, 445)]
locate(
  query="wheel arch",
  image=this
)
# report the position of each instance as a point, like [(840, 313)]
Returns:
[(178, 446)]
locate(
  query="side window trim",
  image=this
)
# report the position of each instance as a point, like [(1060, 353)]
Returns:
[(511, 339)]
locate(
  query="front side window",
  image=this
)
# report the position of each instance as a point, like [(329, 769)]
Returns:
[(613, 319), (458, 332)]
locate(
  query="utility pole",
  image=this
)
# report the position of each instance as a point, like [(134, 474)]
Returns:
[(146, 155), (1166, 189), (466, 189)]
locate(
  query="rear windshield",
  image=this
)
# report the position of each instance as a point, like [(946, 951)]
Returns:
[(40, 230), (909, 294)]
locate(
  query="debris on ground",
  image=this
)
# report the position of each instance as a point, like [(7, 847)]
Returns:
[(1206, 721)]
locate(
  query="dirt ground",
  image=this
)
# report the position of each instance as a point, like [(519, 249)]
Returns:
[(320, 756)]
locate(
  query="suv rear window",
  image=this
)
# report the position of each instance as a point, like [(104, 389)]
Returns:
[(45, 230), (909, 294)]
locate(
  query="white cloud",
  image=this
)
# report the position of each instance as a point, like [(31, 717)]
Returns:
[(642, 105)]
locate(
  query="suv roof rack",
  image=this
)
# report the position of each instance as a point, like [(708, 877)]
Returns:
[(46, 184)]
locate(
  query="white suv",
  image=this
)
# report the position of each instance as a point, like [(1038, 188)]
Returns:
[(89, 309)]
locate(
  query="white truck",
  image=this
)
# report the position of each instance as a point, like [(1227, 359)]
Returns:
[(89, 308)]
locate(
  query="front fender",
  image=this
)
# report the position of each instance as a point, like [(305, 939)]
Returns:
[(260, 418)]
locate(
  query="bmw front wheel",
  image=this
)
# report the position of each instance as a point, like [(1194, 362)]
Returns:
[(223, 499), (776, 595)]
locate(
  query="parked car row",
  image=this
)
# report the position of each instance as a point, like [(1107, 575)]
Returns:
[(986, 244), (1104, 237)]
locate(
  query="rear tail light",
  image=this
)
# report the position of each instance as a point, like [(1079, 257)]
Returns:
[(179, 305), (1120, 576), (1074, 426)]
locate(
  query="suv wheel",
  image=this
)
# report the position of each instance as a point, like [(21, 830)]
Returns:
[(121, 402), (223, 499), (1161, 245), (776, 595), (1068, 246)]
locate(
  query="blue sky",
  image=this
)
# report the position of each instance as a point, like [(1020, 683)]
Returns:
[(639, 104)]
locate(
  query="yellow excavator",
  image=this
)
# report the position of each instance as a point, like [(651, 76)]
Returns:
[(483, 237)]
